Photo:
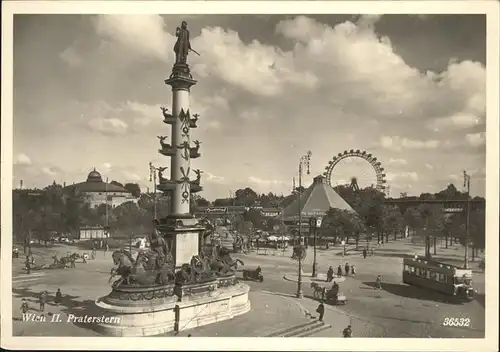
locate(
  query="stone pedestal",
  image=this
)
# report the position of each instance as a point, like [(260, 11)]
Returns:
[(134, 312), (222, 304), (183, 236), (138, 311)]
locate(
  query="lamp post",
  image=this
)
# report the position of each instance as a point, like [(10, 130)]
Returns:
[(467, 222), (313, 223), (152, 177), (303, 162)]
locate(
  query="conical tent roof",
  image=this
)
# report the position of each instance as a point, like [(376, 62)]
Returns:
[(315, 201)]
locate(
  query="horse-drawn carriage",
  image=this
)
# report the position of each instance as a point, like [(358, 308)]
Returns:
[(67, 261), (328, 295), (255, 275)]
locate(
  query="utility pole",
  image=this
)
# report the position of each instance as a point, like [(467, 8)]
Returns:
[(304, 161), (467, 222)]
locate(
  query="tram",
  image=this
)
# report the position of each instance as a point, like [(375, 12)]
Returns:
[(440, 277)]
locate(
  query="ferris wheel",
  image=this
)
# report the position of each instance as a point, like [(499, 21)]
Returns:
[(364, 155)]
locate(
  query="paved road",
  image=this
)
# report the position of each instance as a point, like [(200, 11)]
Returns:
[(396, 311)]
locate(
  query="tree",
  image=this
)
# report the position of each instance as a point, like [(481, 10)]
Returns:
[(246, 197), (450, 193), (201, 202), (432, 224), (133, 188), (477, 230), (223, 202), (256, 218), (391, 221)]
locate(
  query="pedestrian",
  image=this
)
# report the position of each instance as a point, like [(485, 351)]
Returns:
[(339, 271), (28, 265), (329, 274), (24, 306), (335, 292), (42, 300), (346, 267), (16, 253), (58, 298), (373, 253), (353, 270), (378, 283), (93, 253), (364, 253), (85, 257), (347, 331), (321, 311)]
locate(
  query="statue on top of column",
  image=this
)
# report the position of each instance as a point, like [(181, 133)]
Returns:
[(182, 46)]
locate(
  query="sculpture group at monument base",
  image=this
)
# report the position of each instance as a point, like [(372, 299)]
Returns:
[(145, 314)]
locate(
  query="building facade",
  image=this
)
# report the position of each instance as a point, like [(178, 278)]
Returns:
[(96, 192)]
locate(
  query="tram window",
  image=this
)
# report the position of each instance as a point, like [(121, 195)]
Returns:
[(442, 278), (433, 275)]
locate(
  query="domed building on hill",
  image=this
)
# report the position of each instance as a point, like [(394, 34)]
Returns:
[(95, 192)]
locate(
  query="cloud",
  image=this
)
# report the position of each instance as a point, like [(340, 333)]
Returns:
[(397, 143), (413, 176), (213, 178), (144, 35), (260, 69), (106, 166), (397, 161), (476, 139), (71, 57), (130, 176), (22, 159), (429, 166), (254, 90), (52, 170), (457, 121), (262, 182), (111, 126)]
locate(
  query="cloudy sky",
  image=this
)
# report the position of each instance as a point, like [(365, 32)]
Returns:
[(408, 89)]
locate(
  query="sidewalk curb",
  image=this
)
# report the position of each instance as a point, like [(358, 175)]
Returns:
[(307, 279)]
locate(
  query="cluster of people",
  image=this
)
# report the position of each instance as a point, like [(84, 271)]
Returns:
[(42, 299), (347, 270), (29, 263)]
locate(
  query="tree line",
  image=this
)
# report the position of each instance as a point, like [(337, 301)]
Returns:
[(54, 209)]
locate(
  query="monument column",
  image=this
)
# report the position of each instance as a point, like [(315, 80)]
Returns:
[(181, 82)]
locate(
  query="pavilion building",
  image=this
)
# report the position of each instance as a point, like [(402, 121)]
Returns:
[(95, 191), (315, 201)]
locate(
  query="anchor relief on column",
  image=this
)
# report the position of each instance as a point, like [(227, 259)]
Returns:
[(185, 183), (185, 150)]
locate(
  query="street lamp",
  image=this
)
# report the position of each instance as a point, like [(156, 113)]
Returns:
[(304, 162), (467, 223), (152, 177), (314, 223)]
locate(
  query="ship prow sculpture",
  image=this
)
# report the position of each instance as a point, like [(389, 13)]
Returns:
[(178, 283)]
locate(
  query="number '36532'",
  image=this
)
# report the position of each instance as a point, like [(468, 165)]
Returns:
[(456, 322)]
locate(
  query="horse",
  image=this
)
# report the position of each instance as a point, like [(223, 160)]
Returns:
[(319, 291), (124, 264)]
